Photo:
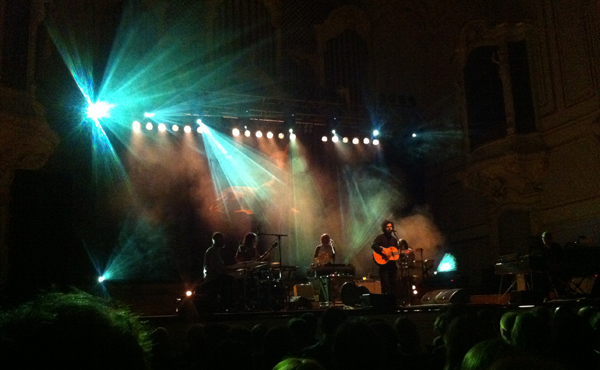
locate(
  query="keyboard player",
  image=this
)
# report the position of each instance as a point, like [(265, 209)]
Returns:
[(217, 279), (324, 252)]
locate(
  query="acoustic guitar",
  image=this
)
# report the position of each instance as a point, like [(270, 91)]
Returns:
[(389, 254)]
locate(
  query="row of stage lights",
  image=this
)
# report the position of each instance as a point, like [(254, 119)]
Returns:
[(161, 127), (334, 138)]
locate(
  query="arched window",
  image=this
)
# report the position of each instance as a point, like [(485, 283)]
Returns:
[(243, 35), (346, 66)]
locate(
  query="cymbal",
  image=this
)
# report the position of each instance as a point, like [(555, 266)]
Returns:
[(248, 264)]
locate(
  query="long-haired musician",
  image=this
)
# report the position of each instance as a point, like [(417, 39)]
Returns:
[(324, 252)]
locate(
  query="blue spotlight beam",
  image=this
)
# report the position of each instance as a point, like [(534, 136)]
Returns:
[(240, 170)]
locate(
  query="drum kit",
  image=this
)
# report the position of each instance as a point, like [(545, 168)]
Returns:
[(411, 271), (259, 285)]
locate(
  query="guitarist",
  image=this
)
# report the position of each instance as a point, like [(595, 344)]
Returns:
[(388, 269)]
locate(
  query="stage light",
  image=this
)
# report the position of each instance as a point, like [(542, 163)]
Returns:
[(235, 132), (101, 279), (448, 263), (345, 140), (199, 129), (366, 140), (187, 128), (281, 135), (199, 121), (247, 133), (335, 139), (136, 125), (175, 128), (162, 127), (292, 136), (259, 133), (333, 132), (414, 134), (375, 132), (149, 115), (324, 139), (149, 126), (269, 135), (99, 110), (188, 293), (376, 142), (355, 141)]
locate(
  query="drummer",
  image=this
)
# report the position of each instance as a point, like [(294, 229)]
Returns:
[(248, 251), (407, 256)]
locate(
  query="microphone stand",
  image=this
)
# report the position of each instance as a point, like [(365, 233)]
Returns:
[(403, 282), (279, 245)]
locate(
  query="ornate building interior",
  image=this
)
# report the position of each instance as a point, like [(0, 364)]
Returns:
[(488, 110)]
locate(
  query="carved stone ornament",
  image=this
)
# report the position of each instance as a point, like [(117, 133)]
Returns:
[(510, 175)]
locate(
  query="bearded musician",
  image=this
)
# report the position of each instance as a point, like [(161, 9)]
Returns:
[(324, 252), (385, 249)]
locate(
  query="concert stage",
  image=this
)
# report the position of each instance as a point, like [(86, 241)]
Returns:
[(165, 305)]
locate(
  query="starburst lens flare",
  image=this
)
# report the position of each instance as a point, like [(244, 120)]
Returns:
[(99, 110)]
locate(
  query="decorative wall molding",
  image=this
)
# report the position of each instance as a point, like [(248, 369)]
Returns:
[(509, 174)]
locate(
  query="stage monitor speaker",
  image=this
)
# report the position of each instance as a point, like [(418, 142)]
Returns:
[(584, 286), (445, 296), (379, 301)]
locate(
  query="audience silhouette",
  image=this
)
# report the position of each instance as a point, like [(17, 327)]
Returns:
[(78, 330), (73, 331)]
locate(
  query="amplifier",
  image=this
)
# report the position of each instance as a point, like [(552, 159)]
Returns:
[(374, 286), (304, 290)]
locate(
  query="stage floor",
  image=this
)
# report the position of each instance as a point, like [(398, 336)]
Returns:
[(165, 305)]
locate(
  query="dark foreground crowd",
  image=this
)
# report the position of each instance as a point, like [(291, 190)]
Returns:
[(80, 331)]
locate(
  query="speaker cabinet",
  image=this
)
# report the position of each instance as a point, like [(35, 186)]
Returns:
[(374, 286), (304, 290), (446, 296), (584, 286), (379, 301)]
